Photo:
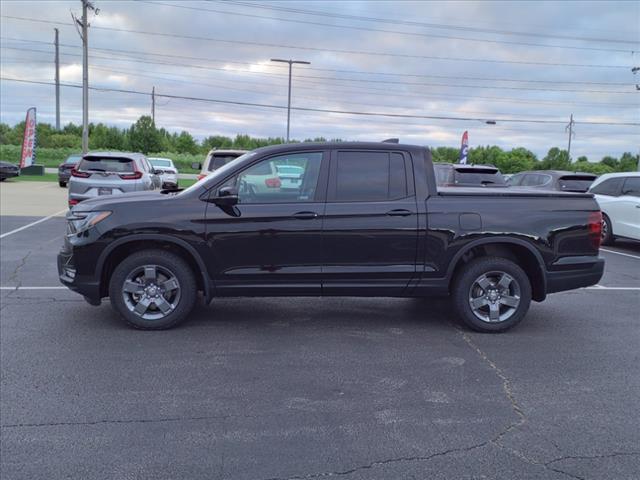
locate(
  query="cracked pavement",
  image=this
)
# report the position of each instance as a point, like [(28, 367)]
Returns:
[(304, 388)]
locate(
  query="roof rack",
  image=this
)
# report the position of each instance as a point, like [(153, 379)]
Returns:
[(391, 140)]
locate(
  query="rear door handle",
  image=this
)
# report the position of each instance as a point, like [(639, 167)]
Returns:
[(399, 212), (305, 215)]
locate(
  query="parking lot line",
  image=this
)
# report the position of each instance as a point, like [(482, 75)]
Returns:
[(44, 219), (59, 287), (620, 253)]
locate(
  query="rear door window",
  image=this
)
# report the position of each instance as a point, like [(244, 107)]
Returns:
[(370, 177), (631, 187), (106, 164), (610, 187)]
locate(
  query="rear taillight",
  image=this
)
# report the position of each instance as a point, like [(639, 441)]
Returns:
[(79, 174), (595, 228), (73, 201), (273, 182), (131, 176), (201, 176)]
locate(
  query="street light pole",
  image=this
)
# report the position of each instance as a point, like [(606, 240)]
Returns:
[(290, 62)]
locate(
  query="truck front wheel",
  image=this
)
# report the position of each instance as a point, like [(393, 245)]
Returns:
[(491, 294), (153, 289)]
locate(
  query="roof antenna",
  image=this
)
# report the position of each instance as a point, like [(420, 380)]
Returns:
[(391, 140)]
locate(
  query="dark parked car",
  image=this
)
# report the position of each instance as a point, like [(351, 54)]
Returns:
[(557, 180), (462, 175), (366, 219), (64, 169), (8, 170)]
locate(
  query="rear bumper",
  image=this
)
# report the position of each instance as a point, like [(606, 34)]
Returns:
[(574, 275)]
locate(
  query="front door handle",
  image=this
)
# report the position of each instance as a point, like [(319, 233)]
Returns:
[(305, 215), (399, 212)]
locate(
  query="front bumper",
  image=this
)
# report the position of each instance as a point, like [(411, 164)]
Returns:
[(9, 173), (579, 273), (86, 286)]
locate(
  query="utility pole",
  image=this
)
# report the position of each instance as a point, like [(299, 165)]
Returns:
[(571, 134), (290, 62), (57, 80), (84, 35), (153, 104)]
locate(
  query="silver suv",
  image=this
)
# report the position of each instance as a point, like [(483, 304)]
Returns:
[(111, 173)]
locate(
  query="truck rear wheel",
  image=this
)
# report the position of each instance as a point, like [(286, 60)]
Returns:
[(153, 289), (491, 294)]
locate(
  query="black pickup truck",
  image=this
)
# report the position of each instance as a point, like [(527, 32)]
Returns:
[(349, 219)]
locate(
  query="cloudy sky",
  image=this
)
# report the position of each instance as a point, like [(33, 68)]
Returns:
[(523, 64)]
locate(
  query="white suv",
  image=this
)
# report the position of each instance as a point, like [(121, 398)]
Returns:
[(618, 195), (216, 159)]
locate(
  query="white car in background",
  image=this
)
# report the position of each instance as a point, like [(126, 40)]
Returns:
[(216, 159), (290, 176), (166, 170), (618, 195)]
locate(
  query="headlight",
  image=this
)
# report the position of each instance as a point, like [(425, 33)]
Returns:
[(79, 222)]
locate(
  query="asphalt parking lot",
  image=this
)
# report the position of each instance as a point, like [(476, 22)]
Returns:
[(307, 388)]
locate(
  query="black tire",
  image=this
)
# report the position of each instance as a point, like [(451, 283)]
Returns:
[(465, 288), (62, 184), (607, 231), (2, 179), (165, 263)]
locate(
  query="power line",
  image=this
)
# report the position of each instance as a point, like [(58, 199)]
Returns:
[(371, 91), (359, 72), (317, 49), (426, 25), (334, 79), (396, 32), (322, 110)]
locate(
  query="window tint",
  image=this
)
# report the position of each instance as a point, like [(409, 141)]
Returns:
[(444, 174), (106, 164), (609, 187), (370, 176), (631, 187), (516, 179), (218, 161), (269, 181), (535, 180)]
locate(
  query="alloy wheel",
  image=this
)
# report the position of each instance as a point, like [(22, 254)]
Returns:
[(494, 296), (151, 292)]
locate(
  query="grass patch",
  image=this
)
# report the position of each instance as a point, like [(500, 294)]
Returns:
[(47, 177)]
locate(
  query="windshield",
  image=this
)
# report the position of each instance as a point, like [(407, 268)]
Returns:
[(478, 177), (160, 162), (217, 175)]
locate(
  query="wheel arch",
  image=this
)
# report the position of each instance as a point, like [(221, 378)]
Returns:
[(120, 249), (517, 250)]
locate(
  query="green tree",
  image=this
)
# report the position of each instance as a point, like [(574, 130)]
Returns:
[(581, 159), (144, 137), (610, 162), (628, 162), (216, 141), (555, 159), (445, 154), (186, 144), (489, 155), (516, 160)]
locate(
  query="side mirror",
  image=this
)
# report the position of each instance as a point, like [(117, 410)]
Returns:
[(227, 197), (157, 172), (196, 166)]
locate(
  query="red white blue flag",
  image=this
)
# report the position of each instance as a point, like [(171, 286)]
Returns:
[(28, 156), (464, 147)]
